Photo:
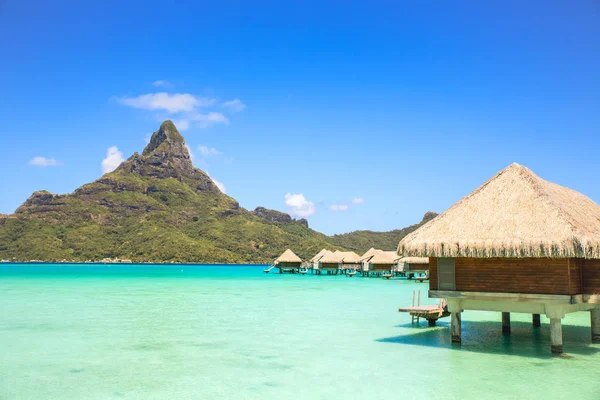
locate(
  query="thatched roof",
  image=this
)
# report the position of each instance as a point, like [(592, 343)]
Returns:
[(318, 255), (288, 256), (350, 257), (332, 257), (370, 253), (514, 214), (415, 260), (384, 257)]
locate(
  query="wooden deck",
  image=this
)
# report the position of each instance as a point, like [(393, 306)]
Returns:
[(430, 312)]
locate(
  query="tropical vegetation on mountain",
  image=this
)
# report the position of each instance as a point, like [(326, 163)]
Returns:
[(157, 206), (359, 241)]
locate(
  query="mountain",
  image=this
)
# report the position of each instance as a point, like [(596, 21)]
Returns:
[(157, 206), (359, 241)]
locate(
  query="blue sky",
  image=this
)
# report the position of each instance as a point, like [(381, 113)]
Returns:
[(406, 105)]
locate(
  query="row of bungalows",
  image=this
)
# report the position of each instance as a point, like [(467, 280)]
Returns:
[(373, 263), (517, 244), (334, 262)]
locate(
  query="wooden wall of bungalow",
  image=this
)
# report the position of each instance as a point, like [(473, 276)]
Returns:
[(329, 266), (559, 276), (382, 267), (288, 264), (417, 267)]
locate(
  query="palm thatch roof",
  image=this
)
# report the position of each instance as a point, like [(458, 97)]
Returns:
[(350, 257), (370, 253), (318, 256), (514, 214), (288, 256), (332, 257), (415, 260), (384, 257)]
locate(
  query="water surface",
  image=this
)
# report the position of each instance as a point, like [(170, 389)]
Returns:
[(233, 332)]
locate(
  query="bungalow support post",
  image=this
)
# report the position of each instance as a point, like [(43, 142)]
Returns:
[(536, 321), (455, 309), (506, 323), (556, 314), (555, 335), (595, 319)]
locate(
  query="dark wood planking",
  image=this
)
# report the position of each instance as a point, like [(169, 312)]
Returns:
[(590, 276), (433, 277)]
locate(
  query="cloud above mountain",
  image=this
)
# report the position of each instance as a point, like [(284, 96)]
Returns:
[(113, 159), (185, 109), (39, 161), (299, 206)]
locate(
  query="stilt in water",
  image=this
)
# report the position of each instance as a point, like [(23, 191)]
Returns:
[(536, 321), (595, 319), (556, 339), (455, 325), (506, 323)]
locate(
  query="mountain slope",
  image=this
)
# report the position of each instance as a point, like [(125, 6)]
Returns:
[(359, 241), (157, 206)]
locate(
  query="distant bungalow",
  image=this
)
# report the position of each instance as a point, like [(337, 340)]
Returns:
[(519, 244), (376, 262), (415, 265), (314, 262), (288, 262), (350, 262), (330, 262)]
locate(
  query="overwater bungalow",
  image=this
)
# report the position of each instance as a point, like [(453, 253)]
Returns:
[(517, 244), (381, 262), (314, 262), (412, 266), (288, 262), (350, 261), (330, 262), (366, 257)]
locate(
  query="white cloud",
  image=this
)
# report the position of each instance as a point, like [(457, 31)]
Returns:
[(181, 124), (185, 109), (162, 82), (339, 207), (208, 151), (234, 105), (189, 149), (358, 200), (113, 159), (210, 119), (201, 120), (298, 206), (172, 103), (44, 162), (219, 184)]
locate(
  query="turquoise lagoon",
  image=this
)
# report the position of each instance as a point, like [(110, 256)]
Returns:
[(233, 332)]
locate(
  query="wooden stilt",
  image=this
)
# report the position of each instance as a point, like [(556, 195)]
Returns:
[(536, 321), (506, 323), (556, 339), (595, 319), (431, 322), (455, 325)]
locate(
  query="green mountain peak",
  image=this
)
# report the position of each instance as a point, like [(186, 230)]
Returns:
[(157, 206)]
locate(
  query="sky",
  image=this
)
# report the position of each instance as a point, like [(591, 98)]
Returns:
[(355, 116)]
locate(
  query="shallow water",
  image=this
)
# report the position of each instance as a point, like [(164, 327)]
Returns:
[(233, 332)]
